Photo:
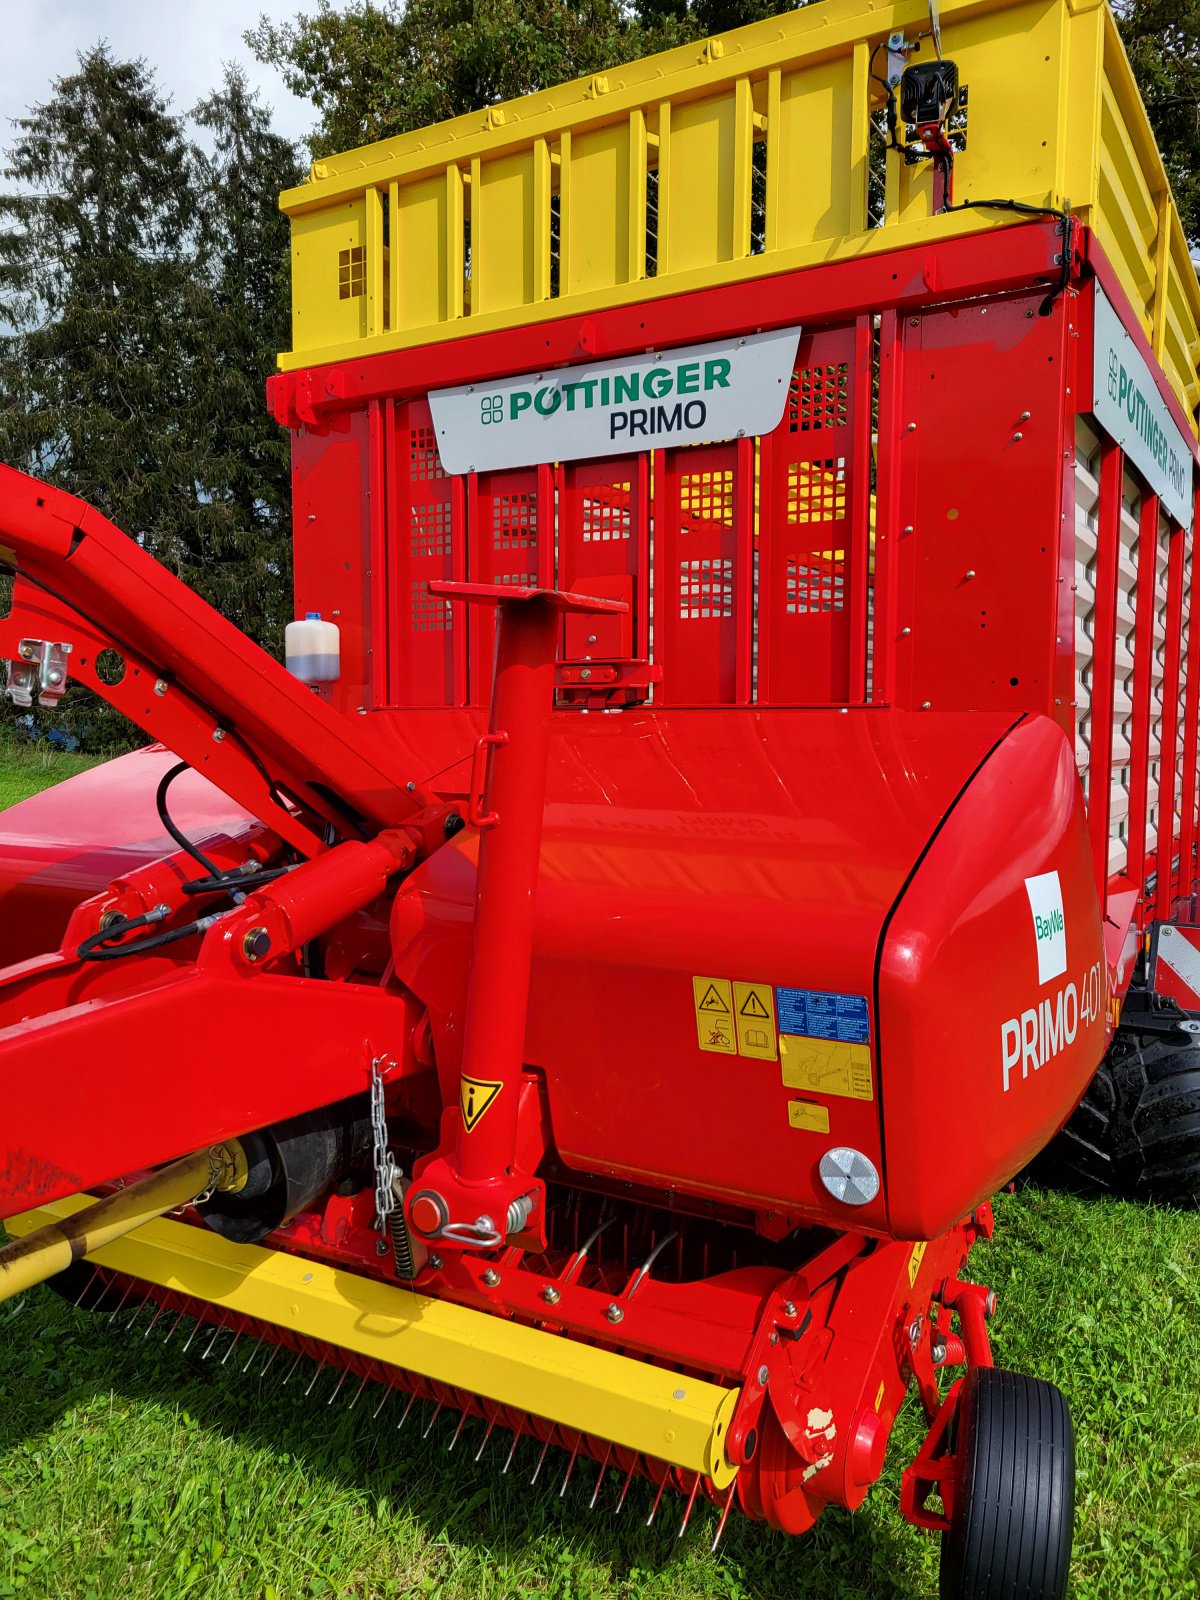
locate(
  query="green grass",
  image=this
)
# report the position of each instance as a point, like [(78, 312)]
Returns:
[(27, 768), (130, 1469)]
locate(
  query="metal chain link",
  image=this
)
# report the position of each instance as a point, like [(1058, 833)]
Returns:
[(383, 1160)]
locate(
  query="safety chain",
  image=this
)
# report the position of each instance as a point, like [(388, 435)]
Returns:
[(383, 1159)]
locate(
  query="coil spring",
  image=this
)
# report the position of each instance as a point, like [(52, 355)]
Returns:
[(402, 1250)]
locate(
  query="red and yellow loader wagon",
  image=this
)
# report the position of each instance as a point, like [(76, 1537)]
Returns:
[(735, 795)]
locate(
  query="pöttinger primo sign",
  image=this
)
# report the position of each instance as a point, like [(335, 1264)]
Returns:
[(1128, 406), (694, 394)]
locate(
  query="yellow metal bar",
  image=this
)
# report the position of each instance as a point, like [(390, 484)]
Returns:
[(860, 135), (662, 230), (65, 1235), (394, 255), (541, 220), (636, 243), (743, 158), (664, 1414), (774, 163), (454, 266), (374, 263)]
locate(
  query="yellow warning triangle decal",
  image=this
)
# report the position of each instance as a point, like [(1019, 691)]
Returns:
[(752, 1006), (712, 1001), (475, 1096)]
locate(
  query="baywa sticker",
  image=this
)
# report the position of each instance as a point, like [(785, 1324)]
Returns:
[(1049, 925)]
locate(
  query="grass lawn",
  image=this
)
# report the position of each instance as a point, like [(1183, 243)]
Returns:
[(131, 1469), (25, 768)]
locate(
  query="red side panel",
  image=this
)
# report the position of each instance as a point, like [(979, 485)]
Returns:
[(425, 633), (812, 546), (698, 574), (603, 542), (510, 529)]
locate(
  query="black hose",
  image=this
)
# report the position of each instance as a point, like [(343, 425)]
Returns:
[(180, 838), (96, 946)]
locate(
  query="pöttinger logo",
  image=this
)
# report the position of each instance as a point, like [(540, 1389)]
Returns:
[(1049, 924)]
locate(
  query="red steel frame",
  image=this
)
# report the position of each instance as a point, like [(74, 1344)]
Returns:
[(745, 548)]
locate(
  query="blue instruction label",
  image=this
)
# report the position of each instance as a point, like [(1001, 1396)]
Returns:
[(815, 1015)]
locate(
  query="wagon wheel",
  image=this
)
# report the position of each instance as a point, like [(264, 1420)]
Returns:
[(1013, 1500), (1136, 1132)]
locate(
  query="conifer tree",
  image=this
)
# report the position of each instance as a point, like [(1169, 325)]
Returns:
[(244, 254)]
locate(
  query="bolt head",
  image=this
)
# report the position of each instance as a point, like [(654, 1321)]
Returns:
[(218, 735), (763, 1375), (256, 944), (615, 1314), (160, 687), (789, 1309), (436, 1263), (491, 1277), (551, 1295)]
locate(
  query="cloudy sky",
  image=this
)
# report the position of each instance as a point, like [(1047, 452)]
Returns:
[(186, 41)]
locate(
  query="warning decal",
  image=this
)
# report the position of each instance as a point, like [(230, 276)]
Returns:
[(808, 1115), (713, 999), (754, 1004), (814, 1014), (475, 1096), (914, 1262), (826, 1066)]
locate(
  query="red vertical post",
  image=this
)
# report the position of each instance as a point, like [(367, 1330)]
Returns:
[(1145, 603), (1168, 757), (1191, 733), (460, 624), (1104, 646), (494, 1025), (858, 553), (376, 573), (744, 598), (887, 510)]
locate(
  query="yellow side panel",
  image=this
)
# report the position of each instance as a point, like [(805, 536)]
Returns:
[(1128, 213), (1179, 349), (329, 276), (699, 217), (419, 251), (1013, 85), (596, 216), (504, 232), (810, 140), (1078, 115)]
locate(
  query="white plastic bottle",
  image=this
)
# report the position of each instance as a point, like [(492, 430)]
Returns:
[(313, 649)]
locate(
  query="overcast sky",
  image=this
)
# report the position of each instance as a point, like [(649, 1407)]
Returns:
[(185, 41)]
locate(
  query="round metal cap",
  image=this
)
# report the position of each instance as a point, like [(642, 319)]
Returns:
[(850, 1176)]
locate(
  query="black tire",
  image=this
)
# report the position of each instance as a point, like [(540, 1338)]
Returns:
[(1136, 1132), (1014, 1506)]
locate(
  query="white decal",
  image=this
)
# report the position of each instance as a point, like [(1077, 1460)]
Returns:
[(1128, 405), (1044, 1031), (694, 394), (1049, 924)]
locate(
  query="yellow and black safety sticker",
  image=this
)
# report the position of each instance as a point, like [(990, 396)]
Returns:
[(476, 1096), (754, 1010), (735, 1018), (808, 1115), (715, 1028), (915, 1260), (826, 1066)]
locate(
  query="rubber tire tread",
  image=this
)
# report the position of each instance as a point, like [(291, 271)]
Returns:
[(1010, 1535), (1136, 1132)]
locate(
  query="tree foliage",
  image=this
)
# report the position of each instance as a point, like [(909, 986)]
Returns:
[(373, 70), (1163, 41), (143, 295)]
